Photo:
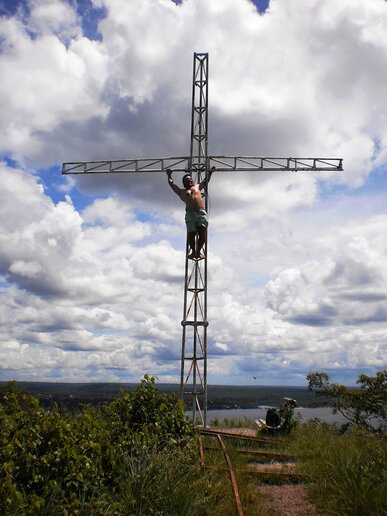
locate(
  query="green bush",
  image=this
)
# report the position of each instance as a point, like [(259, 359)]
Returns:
[(148, 411), (134, 456)]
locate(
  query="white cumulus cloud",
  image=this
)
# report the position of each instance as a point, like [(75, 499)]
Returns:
[(91, 268)]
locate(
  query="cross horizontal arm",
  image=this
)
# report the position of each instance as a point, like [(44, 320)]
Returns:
[(124, 166), (222, 164), (255, 163)]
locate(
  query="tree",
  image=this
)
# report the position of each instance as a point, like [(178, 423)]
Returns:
[(365, 406)]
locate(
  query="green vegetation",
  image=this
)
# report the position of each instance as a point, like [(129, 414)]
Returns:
[(249, 495), (134, 456), (139, 455), (365, 407), (346, 472), (345, 468), (233, 422)]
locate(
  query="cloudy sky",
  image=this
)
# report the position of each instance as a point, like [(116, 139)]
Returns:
[(91, 268)]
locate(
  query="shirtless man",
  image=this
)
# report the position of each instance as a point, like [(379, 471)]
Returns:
[(196, 217)]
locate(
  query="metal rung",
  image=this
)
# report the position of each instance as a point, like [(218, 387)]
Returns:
[(194, 323), (193, 358), (194, 393)]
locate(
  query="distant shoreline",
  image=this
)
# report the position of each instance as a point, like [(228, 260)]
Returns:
[(220, 397), (303, 413)]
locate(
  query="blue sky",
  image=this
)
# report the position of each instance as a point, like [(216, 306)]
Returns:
[(91, 268)]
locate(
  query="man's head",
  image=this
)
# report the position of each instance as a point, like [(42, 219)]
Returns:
[(187, 181)]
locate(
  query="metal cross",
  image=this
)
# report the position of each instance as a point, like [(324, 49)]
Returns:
[(194, 334)]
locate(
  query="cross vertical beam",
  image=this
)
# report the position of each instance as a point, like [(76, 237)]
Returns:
[(194, 334)]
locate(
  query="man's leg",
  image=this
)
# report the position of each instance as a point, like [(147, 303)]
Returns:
[(191, 242), (201, 241)]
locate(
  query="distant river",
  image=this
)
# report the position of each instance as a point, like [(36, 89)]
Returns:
[(323, 413)]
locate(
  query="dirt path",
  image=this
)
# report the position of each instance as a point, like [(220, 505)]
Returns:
[(283, 499), (288, 500)]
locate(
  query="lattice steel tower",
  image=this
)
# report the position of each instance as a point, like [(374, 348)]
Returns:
[(193, 380)]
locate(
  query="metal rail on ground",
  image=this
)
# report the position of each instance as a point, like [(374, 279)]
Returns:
[(269, 476), (229, 469)]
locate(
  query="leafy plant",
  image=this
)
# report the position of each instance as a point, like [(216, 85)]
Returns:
[(151, 412), (365, 407), (104, 460)]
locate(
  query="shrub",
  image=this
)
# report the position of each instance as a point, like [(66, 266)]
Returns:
[(150, 412), (104, 460), (365, 407)]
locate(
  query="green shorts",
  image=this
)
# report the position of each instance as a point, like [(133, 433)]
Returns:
[(194, 219)]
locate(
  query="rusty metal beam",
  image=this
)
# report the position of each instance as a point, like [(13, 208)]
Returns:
[(232, 476)]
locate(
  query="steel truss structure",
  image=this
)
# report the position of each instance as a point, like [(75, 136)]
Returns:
[(194, 336), (222, 164), (193, 380)]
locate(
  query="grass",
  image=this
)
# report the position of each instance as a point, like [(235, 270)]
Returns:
[(233, 422), (250, 497), (347, 473)]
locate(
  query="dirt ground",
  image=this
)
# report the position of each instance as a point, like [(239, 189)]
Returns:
[(283, 499), (288, 500)]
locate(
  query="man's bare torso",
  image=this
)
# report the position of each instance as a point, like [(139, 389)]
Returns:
[(190, 194), (192, 198)]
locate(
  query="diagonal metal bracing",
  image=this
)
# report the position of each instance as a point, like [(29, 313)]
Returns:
[(195, 298)]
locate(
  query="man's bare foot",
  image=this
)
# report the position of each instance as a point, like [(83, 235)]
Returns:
[(200, 256), (191, 256)]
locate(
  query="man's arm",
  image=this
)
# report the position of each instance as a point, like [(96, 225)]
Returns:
[(203, 183), (174, 187)]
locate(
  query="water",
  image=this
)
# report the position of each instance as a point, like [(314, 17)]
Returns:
[(323, 413)]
